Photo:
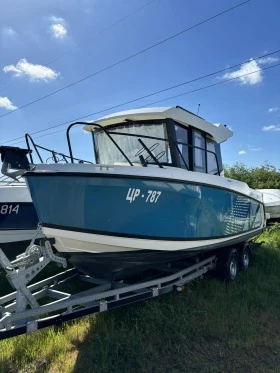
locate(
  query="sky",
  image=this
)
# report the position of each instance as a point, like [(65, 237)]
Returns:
[(47, 45)]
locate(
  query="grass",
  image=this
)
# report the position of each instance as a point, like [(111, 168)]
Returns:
[(209, 327)]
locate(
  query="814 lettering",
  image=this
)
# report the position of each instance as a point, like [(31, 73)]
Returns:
[(9, 209)]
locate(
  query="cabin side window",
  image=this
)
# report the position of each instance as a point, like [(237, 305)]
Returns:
[(182, 139), (213, 157), (199, 143)]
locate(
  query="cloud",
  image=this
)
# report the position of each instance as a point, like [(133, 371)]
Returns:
[(5, 103), (9, 31), (55, 19), (268, 60), (31, 71), (247, 68), (242, 152), (253, 69), (271, 128), (58, 27), (254, 149), (58, 31), (273, 109)]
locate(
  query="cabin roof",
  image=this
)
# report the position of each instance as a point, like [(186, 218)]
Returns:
[(186, 118)]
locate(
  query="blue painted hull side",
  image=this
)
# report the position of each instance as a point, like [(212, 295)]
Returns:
[(17, 216), (161, 210)]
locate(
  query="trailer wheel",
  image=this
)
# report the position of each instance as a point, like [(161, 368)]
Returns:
[(245, 257), (229, 267)]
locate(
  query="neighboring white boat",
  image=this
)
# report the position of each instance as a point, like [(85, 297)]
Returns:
[(18, 218), (271, 198), (155, 194)]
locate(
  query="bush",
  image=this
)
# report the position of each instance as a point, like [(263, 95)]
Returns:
[(263, 177), (271, 237)]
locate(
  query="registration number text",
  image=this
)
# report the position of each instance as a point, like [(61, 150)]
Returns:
[(9, 209), (151, 196)]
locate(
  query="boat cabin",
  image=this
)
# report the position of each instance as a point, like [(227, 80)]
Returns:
[(159, 136)]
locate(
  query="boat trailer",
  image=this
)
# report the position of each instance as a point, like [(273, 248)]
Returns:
[(21, 311)]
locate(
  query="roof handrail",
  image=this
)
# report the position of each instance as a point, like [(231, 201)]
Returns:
[(99, 126)]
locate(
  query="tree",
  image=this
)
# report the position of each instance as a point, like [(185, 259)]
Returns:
[(263, 177)]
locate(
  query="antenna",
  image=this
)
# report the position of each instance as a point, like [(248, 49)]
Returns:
[(198, 107)]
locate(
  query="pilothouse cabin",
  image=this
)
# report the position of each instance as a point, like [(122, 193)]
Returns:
[(171, 137)]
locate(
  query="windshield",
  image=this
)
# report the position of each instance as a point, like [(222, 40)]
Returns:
[(107, 152)]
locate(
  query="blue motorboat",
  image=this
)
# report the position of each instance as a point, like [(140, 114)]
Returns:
[(154, 193)]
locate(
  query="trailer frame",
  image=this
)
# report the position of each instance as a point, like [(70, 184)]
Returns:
[(21, 312)]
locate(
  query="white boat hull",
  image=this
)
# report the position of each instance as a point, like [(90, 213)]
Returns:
[(271, 198), (10, 236)]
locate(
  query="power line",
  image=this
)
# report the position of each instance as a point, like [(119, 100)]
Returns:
[(98, 33), (150, 94), (168, 98), (124, 60), (214, 84), (106, 29)]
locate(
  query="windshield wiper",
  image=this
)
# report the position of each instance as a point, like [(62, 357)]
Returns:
[(150, 154)]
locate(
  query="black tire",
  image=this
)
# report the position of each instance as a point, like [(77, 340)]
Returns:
[(244, 257), (229, 266)]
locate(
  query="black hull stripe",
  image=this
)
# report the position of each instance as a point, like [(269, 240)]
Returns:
[(156, 238), (152, 178)]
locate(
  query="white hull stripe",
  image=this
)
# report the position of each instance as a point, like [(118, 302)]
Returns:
[(69, 241)]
